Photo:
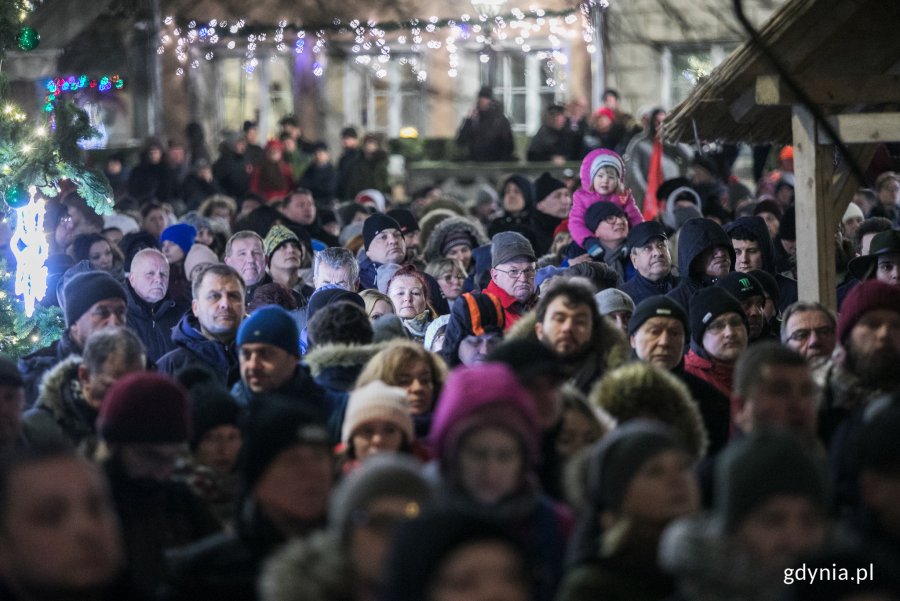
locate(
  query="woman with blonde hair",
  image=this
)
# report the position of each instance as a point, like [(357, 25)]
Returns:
[(409, 366), (377, 304)]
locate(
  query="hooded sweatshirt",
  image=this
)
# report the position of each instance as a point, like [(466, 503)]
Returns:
[(585, 196), (696, 236), (787, 287)]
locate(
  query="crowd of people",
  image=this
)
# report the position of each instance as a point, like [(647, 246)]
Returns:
[(275, 383)]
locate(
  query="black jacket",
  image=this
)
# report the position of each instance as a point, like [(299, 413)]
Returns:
[(194, 349), (487, 136), (60, 415), (153, 323), (34, 366), (640, 288), (230, 171)]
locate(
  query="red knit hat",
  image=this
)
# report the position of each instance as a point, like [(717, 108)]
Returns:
[(145, 407), (867, 296)]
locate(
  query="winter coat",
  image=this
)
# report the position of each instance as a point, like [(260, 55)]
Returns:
[(695, 237), (321, 180), (155, 516), (640, 288), (714, 406), (154, 323), (585, 196), (487, 136), (548, 143), (195, 191), (35, 365), (194, 349), (60, 415), (232, 174), (843, 394), (300, 388), (367, 172), (543, 226), (513, 308), (787, 287), (712, 371)]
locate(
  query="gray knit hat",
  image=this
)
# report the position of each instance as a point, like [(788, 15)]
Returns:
[(612, 300), (506, 246)]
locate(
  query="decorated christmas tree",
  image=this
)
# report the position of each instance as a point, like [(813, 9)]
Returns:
[(35, 156)]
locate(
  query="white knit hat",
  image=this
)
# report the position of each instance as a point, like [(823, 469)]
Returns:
[(852, 211), (377, 400)]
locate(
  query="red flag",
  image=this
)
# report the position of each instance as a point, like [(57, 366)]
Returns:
[(654, 180)]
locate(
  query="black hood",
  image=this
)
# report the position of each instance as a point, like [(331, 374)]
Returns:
[(757, 226), (697, 235)]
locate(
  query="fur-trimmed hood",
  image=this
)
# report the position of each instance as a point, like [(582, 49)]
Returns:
[(638, 390), (707, 566), (610, 350), (60, 385), (314, 567), (341, 355), (452, 227), (60, 407), (429, 222)]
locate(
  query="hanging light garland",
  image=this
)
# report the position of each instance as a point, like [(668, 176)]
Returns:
[(373, 44)]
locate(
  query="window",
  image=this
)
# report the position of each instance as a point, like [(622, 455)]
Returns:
[(523, 88), (263, 95), (684, 66), (387, 103)]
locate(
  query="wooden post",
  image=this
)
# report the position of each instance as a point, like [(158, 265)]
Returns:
[(816, 218)]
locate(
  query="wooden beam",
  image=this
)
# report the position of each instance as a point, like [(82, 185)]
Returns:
[(816, 218), (742, 105), (772, 91), (865, 128)]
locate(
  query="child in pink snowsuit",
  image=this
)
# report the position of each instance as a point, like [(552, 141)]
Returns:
[(602, 178)]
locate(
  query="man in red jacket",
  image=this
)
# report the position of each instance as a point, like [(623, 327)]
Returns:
[(512, 274)]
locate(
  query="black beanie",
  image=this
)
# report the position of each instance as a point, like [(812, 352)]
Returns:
[(657, 306), (408, 222), (741, 285), (524, 185), (86, 289), (211, 407), (545, 185), (706, 305), (768, 283), (276, 426), (760, 466), (374, 224), (598, 212), (328, 294)]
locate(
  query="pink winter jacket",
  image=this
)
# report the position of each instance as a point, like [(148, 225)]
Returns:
[(585, 196)]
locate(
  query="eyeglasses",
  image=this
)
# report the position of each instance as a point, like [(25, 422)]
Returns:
[(804, 334), (515, 273)]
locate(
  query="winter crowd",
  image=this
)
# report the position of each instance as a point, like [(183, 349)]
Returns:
[(275, 383)]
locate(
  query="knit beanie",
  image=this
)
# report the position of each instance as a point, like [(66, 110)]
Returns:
[(145, 407), (741, 285), (408, 222), (384, 475), (769, 206), (759, 467), (375, 224), (277, 236), (273, 325), (599, 211), (612, 300), (615, 459), (274, 427), (609, 159), (866, 296), (483, 395), (373, 197), (506, 246), (331, 293), (85, 289), (545, 185), (657, 306), (211, 407), (853, 211), (181, 234), (377, 400), (472, 314), (388, 327), (200, 254), (525, 187), (768, 283), (706, 305)]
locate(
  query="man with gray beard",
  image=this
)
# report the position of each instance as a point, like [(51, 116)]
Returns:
[(865, 364)]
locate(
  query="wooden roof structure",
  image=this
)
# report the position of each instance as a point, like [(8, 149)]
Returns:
[(845, 54)]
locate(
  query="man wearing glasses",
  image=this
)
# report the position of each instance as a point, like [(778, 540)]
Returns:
[(810, 329), (512, 274), (648, 249), (718, 337), (610, 227)]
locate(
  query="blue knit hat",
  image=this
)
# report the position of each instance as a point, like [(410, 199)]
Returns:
[(182, 234), (271, 325)]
